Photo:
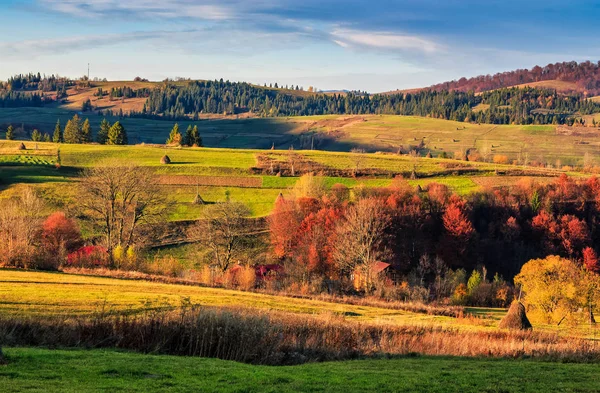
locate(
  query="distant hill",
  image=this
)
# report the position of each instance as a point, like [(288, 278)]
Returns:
[(565, 78)]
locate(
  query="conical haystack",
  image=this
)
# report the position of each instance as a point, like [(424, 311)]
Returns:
[(516, 318), (165, 160)]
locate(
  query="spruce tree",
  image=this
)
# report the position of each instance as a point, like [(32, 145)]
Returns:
[(36, 136), (187, 138), (117, 135), (102, 136), (57, 137), (195, 139), (86, 132), (72, 132), (10, 133), (174, 136)]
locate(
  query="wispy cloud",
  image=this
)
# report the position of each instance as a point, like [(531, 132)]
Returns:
[(34, 48), (385, 41)]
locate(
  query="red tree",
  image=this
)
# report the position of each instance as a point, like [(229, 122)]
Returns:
[(60, 234), (284, 223), (590, 260)]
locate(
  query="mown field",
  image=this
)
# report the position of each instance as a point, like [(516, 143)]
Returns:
[(37, 370), (215, 172), (49, 294), (342, 133)]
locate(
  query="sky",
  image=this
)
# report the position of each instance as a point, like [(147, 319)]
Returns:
[(371, 45)]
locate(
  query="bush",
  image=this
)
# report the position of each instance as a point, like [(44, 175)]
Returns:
[(89, 257)]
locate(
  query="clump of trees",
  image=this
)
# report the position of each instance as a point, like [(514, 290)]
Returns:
[(559, 289)]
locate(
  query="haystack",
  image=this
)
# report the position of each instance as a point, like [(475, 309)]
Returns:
[(198, 200), (516, 318), (165, 160), (21, 146)]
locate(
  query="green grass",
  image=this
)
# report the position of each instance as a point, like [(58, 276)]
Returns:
[(36, 167), (43, 370), (342, 133)]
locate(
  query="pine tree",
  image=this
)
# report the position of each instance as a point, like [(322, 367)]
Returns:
[(47, 137), (102, 136), (86, 132), (187, 139), (10, 133), (57, 137), (195, 139), (174, 136), (36, 136), (117, 135), (72, 132)]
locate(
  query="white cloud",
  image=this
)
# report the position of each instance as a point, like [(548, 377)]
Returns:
[(385, 41), (61, 45)]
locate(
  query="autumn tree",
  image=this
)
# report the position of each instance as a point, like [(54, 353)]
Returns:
[(60, 235), (458, 231), (361, 239), (284, 223), (19, 224), (555, 288), (590, 260), (118, 197), (175, 137), (222, 228)]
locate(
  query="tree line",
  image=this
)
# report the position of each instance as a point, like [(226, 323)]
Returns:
[(586, 76), (506, 106)]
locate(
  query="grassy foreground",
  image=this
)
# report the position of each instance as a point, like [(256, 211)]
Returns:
[(37, 370)]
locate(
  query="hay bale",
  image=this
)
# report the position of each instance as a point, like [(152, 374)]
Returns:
[(516, 318), (165, 160), (22, 147)]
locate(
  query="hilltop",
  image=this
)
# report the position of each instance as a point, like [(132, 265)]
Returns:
[(566, 78)]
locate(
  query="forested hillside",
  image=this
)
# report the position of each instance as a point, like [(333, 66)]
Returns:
[(585, 75), (505, 106), (193, 99)]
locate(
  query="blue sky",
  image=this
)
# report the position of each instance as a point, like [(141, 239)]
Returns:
[(374, 45)]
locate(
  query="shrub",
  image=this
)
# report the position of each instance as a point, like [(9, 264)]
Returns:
[(89, 257)]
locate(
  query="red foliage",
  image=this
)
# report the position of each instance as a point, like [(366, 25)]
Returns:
[(60, 233), (455, 221), (284, 223), (317, 237), (89, 256), (590, 260)]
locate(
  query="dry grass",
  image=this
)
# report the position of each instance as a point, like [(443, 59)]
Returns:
[(275, 338)]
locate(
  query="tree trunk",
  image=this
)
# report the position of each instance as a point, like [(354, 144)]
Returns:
[(591, 318)]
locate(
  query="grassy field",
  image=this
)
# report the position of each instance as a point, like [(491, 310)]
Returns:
[(47, 294), (342, 133), (42, 370), (213, 172)]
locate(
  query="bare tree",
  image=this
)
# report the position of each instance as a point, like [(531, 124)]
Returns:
[(19, 223), (293, 158), (222, 228), (358, 158), (117, 197), (361, 238)]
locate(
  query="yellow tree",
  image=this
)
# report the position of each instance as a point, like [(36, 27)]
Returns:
[(556, 289)]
